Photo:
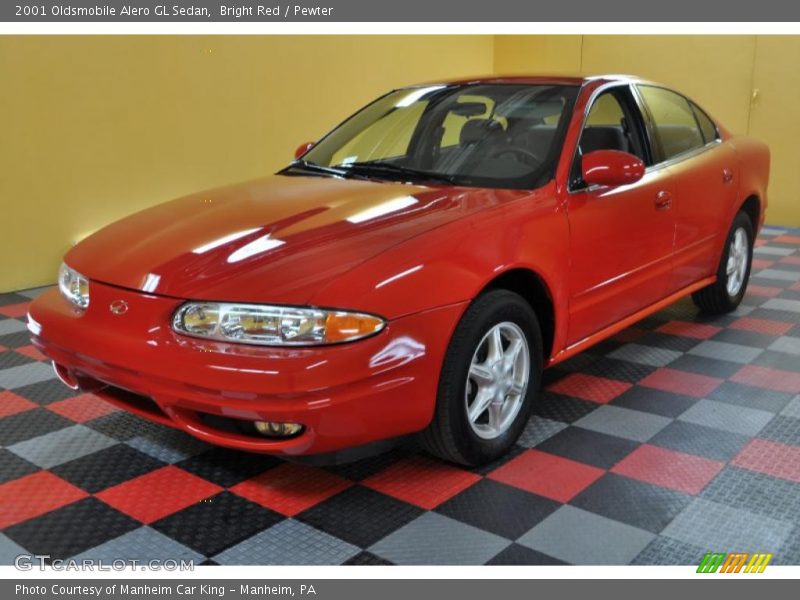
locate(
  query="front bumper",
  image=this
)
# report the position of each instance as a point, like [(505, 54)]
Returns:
[(346, 395)]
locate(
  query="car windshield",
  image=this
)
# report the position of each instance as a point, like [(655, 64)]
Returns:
[(485, 135)]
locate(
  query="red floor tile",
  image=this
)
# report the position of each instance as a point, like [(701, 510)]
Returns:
[(787, 239), (681, 382), (11, 404), (768, 378), (761, 326), (34, 495), (82, 408), (795, 287), (291, 488), (547, 475), (31, 352), (770, 458), (763, 291), (590, 387), (760, 242), (699, 331), (667, 468), (421, 481), (790, 260), (762, 263), (15, 310), (158, 494)]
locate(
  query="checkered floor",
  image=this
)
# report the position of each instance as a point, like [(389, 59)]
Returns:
[(679, 436)]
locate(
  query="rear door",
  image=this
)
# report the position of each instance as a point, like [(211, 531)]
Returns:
[(621, 238), (703, 169)]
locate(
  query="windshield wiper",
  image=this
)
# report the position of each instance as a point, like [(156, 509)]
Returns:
[(309, 167), (380, 167)]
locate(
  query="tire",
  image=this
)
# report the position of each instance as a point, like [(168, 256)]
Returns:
[(516, 375), (725, 294)]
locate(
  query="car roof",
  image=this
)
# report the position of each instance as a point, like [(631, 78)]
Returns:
[(538, 79)]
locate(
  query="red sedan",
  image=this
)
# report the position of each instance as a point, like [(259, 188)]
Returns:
[(414, 270)]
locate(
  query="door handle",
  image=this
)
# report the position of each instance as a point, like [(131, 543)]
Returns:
[(727, 175), (663, 200)]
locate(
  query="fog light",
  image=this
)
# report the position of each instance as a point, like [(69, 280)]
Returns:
[(270, 429)]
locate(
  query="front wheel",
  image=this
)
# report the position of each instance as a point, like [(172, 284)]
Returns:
[(491, 373), (733, 271)]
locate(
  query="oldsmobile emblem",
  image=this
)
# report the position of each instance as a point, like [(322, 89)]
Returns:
[(118, 307)]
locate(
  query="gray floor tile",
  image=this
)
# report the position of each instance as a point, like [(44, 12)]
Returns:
[(174, 447), (667, 551), (624, 422), (434, 539), (772, 250), (11, 326), (17, 377), (289, 543), (725, 351), (141, 544), (772, 231), (782, 304), (778, 274), (61, 446), (584, 538), (646, 355), (713, 525), (792, 409), (9, 550), (728, 417), (787, 344), (756, 493)]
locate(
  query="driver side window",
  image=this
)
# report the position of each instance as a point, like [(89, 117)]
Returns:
[(610, 125)]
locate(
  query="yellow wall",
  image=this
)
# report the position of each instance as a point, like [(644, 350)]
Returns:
[(719, 72), (95, 128)]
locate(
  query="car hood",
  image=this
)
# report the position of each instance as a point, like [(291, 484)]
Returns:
[(277, 239)]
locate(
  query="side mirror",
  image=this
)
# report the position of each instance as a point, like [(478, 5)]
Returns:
[(302, 149), (611, 167)]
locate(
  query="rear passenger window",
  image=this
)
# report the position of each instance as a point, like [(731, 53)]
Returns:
[(706, 124), (674, 120)]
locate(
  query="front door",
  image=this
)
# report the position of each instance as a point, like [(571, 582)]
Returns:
[(621, 238)]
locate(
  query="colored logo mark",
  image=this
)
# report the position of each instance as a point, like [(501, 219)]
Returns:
[(734, 562)]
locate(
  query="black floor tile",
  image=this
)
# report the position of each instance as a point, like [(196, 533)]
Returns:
[(698, 440), (633, 502), (750, 397), (13, 467), (227, 467), (588, 447), (30, 424), (705, 366), (621, 370), (211, 527), (360, 516), (513, 512), (561, 408), (658, 402), (46, 392), (71, 529), (106, 468), (516, 554)]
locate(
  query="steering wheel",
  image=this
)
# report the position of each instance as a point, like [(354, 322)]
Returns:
[(527, 156)]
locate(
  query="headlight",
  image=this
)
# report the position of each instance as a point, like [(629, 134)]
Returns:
[(272, 325), (74, 286)]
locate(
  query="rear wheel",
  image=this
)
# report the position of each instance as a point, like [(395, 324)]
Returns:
[(733, 272), (491, 373)]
